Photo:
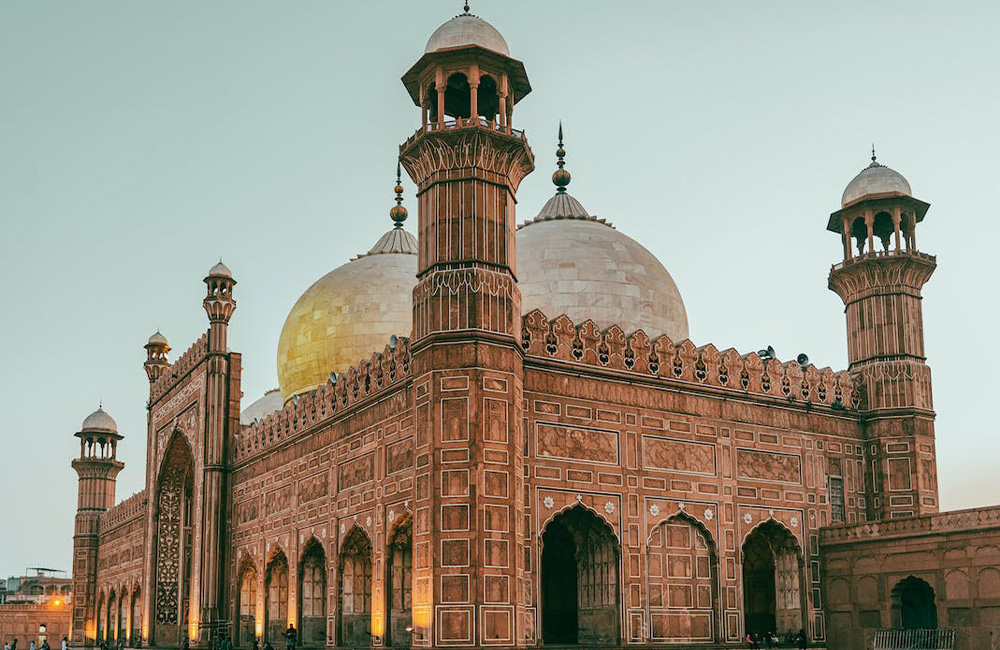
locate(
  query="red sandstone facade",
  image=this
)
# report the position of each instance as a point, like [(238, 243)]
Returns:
[(506, 480)]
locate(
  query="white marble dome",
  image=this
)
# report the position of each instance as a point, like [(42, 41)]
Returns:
[(265, 405), (572, 263), (875, 179), (465, 30), (99, 422), (348, 314)]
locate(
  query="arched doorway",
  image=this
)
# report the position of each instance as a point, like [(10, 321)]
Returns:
[(913, 605), (355, 589), (579, 580), (135, 612), (683, 585), (101, 613), (172, 539), (400, 581), (110, 624), (772, 566), (276, 590), (122, 616), (312, 596), (246, 627)]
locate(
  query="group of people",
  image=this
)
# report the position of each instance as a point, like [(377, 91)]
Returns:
[(291, 636), (12, 645), (770, 640)]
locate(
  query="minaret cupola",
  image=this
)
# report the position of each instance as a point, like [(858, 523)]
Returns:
[(156, 356)]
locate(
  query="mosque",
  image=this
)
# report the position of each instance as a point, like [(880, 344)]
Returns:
[(499, 435)]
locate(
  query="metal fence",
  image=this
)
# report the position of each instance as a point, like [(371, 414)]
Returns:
[(914, 640)]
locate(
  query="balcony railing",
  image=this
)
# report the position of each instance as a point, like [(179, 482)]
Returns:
[(466, 123), (883, 254), (898, 639)]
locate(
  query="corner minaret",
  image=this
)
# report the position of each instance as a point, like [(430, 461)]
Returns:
[(97, 468), (467, 161), (880, 281), (156, 356), (222, 415)]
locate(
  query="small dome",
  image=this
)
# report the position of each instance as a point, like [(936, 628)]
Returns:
[(99, 422), (582, 267), (157, 339), (348, 314), (465, 30), (875, 180), (267, 404), (220, 269)]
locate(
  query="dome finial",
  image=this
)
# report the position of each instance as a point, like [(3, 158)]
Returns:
[(873, 152), (465, 8), (398, 213), (561, 177)]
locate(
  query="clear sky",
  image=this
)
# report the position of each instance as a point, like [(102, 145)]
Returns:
[(139, 141)]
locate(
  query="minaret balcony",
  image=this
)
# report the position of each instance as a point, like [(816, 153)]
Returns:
[(465, 123), (878, 255)]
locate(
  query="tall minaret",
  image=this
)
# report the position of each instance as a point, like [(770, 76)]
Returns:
[(467, 160), (880, 281), (97, 467), (220, 411)]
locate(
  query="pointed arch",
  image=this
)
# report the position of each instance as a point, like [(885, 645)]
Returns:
[(110, 624), (312, 594), (275, 596), (683, 581), (579, 569), (173, 526), (101, 607), (246, 605), (602, 516), (399, 581), (354, 588), (913, 604), (135, 615), (773, 597)]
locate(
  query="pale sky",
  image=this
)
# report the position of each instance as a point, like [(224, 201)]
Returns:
[(139, 141)]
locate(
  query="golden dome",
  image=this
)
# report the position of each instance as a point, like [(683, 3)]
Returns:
[(348, 314)]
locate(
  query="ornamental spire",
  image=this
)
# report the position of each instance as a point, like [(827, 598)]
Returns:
[(561, 177), (398, 213)]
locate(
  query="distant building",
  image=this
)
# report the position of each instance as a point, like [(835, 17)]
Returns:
[(37, 607)]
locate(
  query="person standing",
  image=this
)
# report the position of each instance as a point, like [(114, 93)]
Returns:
[(65, 644), (802, 639), (291, 636)]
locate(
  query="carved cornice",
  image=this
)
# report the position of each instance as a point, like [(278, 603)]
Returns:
[(880, 274), (467, 149)]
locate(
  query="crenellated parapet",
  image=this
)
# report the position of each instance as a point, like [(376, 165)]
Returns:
[(945, 522), (585, 344), (132, 508), (383, 371), (179, 368)]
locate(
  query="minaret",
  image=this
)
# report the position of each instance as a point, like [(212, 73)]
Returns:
[(880, 281), (156, 356), (467, 161), (219, 405), (97, 468)]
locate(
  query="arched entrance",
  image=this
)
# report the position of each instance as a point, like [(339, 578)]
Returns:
[(101, 627), (312, 596), (355, 589), (913, 605), (122, 616), (400, 581), (110, 623), (172, 539), (772, 566), (579, 580), (246, 626), (276, 590), (135, 617), (683, 585)]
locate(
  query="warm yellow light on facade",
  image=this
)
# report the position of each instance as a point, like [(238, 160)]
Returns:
[(378, 623), (193, 631), (258, 627)]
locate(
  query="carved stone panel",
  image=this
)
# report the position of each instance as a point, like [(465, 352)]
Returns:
[(576, 443), (678, 455), (357, 471), (399, 457), (313, 487), (768, 466)]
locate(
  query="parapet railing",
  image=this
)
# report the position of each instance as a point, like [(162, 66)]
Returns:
[(884, 254), (954, 521), (561, 339), (465, 123)]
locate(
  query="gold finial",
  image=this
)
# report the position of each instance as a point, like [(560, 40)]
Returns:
[(561, 177), (398, 213)]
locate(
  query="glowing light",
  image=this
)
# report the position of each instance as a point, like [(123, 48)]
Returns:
[(259, 627), (193, 631), (57, 602), (378, 623)]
